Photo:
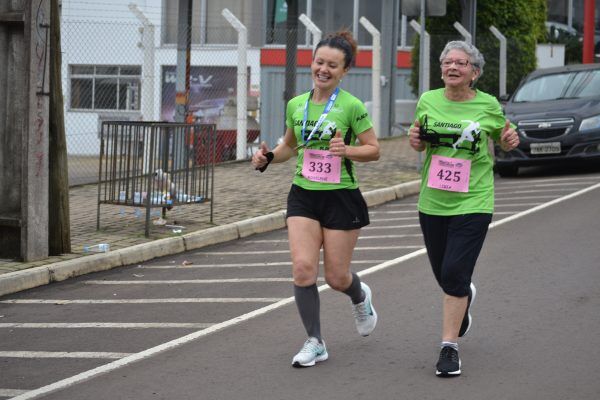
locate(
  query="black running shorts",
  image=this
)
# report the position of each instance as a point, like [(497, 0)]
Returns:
[(342, 209)]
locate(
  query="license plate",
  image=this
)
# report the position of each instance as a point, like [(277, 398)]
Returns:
[(545, 148)]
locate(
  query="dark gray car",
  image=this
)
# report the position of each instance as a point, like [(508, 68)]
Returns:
[(557, 113)]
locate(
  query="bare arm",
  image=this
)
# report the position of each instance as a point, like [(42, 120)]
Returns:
[(367, 151), (283, 152)]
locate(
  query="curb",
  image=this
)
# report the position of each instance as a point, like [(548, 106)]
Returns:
[(13, 282)]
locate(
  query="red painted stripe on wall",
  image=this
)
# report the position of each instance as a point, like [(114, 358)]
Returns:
[(276, 57)]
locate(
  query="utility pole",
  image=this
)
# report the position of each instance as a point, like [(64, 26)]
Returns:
[(588, 31), (390, 12), (291, 47), (59, 227), (184, 47), (24, 103)]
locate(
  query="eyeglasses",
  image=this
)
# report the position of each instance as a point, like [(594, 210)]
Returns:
[(458, 63)]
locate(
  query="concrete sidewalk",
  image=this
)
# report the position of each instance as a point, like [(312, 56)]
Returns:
[(245, 202)]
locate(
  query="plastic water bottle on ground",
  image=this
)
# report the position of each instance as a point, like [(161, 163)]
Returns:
[(97, 248)]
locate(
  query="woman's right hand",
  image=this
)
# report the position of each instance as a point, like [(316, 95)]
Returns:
[(414, 137), (259, 159)]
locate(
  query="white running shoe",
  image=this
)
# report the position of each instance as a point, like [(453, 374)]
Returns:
[(311, 352), (468, 319), (364, 314)]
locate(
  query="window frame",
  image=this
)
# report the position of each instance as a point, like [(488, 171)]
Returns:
[(94, 76)]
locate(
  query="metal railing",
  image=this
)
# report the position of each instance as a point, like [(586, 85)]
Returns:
[(156, 165)]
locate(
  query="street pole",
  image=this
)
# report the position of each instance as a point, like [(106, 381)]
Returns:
[(588, 31), (290, 50), (502, 66), (422, 54), (242, 84), (184, 44), (59, 224), (375, 74), (389, 45), (469, 17)]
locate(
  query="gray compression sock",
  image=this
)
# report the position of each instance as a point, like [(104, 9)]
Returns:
[(307, 301), (355, 290)]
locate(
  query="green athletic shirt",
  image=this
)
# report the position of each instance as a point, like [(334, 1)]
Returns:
[(348, 115), (483, 117)]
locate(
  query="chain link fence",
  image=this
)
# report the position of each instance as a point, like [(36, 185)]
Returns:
[(112, 71), (123, 71)]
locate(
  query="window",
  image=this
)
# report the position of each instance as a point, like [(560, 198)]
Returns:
[(208, 24), (330, 16), (277, 19), (105, 87)]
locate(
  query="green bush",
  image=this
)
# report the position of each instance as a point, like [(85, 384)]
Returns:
[(520, 21)]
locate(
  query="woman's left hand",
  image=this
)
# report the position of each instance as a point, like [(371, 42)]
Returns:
[(337, 146), (509, 139)]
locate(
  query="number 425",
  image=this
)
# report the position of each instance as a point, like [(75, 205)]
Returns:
[(447, 175)]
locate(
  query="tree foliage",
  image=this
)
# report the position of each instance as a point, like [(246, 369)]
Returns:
[(520, 21)]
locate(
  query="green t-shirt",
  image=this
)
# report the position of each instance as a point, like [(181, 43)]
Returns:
[(348, 115), (465, 129)]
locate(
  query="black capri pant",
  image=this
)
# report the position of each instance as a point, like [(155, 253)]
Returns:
[(453, 246)]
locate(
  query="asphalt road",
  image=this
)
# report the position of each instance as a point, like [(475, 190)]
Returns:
[(225, 326)]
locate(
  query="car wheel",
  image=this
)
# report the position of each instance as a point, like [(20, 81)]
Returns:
[(507, 170)]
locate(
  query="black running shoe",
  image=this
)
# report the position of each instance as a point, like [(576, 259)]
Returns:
[(467, 320), (449, 363)]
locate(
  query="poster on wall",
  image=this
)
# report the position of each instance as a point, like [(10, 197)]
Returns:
[(210, 88)]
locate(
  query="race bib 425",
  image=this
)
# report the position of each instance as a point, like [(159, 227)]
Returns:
[(451, 174)]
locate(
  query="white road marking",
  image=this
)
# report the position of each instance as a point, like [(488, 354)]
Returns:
[(248, 252), (231, 265), (548, 196), (513, 217), (395, 219), (544, 205), (11, 392), (526, 181), (517, 204), (267, 241), (190, 281), (561, 184), (244, 265), (406, 235), (393, 212), (554, 189), (270, 241), (263, 252), (62, 354), (389, 247), (392, 227), (110, 325), (145, 301), (64, 383)]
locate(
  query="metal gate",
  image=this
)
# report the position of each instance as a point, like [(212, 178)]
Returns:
[(156, 165)]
